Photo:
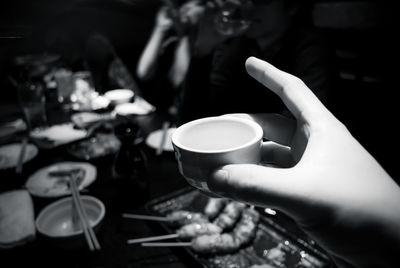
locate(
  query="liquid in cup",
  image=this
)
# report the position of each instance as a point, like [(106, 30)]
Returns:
[(205, 144)]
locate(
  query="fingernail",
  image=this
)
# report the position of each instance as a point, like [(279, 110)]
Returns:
[(217, 181), (221, 174)]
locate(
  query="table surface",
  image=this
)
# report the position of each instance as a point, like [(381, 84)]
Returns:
[(162, 176), (119, 196)]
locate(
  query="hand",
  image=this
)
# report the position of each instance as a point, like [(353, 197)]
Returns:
[(207, 37), (191, 12), (163, 20), (327, 182)]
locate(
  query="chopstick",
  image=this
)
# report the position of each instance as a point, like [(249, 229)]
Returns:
[(152, 238), (90, 236), (21, 156), (163, 138), (144, 217)]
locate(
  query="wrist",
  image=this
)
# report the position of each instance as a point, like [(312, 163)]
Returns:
[(162, 28)]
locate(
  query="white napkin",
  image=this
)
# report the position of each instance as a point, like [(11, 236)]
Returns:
[(17, 223), (140, 107)]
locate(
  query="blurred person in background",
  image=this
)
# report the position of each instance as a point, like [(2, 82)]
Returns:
[(273, 30), (164, 61)]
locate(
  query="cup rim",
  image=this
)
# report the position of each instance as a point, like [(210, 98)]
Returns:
[(255, 126)]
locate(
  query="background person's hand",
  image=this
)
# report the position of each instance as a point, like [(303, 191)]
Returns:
[(207, 37), (164, 19), (191, 12), (334, 189)]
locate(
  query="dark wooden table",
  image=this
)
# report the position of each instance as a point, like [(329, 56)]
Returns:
[(118, 196)]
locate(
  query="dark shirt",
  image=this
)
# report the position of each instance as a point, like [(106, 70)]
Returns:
[(219, 84), (159, 90)]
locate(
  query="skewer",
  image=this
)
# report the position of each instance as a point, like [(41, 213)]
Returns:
[(144, 217), (186, 232), (152, 238), (167, 244)]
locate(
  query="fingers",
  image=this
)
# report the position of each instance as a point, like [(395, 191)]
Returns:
[(257, 185), (276, 128), (298, 98), (279, 155)]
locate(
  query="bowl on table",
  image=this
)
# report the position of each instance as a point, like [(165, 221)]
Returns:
[(54, 222)]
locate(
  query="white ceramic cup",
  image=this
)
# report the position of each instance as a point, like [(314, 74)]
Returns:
[(205, 144)]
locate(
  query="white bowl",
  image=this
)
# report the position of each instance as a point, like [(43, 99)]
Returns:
[(54, 222), (118, 96)]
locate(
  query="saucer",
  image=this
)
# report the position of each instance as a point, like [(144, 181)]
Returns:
[(153, 140)]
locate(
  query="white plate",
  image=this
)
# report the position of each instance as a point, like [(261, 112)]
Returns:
[(118, 96), (42, 184), (58, 134), (83, 119), (154, 139), (131, 108), (9, 154)]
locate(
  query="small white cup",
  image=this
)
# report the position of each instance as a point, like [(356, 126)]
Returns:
[(205, 144)]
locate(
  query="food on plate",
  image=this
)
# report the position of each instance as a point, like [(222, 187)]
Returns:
[(57, 135), (192, 230), (229, 215), (182, 217), (64, 176), (53, 180), (214, 206), (100, 145), (243, 233)]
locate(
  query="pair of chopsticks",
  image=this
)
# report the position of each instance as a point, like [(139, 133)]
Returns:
[(21, 155), (90, 236)]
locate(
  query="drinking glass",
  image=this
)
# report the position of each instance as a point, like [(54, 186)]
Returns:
[(33, 103), (228, 20)]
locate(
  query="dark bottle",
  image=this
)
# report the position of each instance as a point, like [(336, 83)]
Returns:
[(129, 168)]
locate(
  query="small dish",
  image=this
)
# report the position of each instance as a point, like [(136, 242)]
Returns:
[(55, 224), (153, 140), (43, 183), (118, 96), (9, 154)]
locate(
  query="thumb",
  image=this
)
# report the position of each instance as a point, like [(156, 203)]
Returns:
[(258, 185)]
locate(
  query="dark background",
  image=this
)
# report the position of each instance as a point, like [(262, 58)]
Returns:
[(361, 32)]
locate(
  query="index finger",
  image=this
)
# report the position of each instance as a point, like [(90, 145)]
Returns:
[(298, 98)]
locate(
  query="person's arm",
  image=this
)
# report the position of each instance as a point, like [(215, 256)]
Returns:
[(325, 180), (181, 62), (148, 60)]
